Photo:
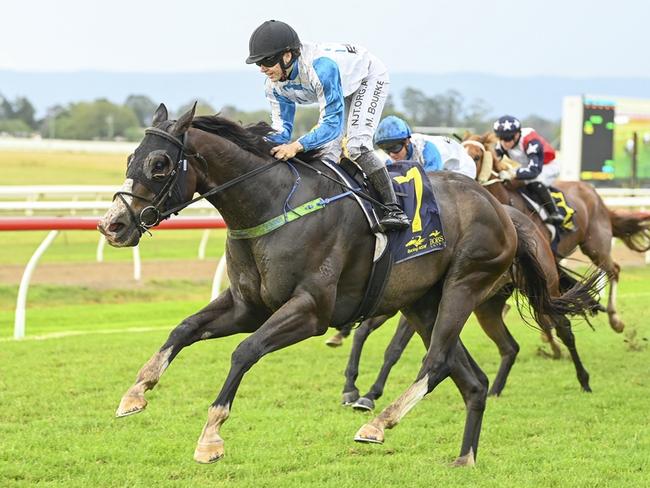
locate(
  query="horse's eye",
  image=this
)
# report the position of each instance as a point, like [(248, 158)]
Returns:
[(159, 165), (476, 159)]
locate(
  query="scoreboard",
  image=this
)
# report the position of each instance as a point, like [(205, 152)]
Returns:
[(597, 140), (606, 140)]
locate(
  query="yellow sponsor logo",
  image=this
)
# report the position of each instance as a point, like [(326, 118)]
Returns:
[(416, 244), (436, 238)]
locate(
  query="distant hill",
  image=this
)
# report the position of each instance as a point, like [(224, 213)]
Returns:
[(540, 95)]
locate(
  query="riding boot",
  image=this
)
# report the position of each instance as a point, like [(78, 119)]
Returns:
[(547, 201), (394, 218)]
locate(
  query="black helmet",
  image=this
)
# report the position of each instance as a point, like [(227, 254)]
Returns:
[(272, 37)]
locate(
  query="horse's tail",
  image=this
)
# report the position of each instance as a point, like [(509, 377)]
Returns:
[(633, 228), (569, 279), (530, 279)]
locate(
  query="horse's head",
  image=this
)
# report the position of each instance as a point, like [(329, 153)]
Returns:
[(158, 178), (481, 149)]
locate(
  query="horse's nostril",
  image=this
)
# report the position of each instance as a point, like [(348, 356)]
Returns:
[(115, 227)]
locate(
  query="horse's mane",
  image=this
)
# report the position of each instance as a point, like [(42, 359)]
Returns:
[(251, 137)]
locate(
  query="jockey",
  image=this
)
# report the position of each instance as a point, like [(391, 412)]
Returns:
[(539, 168), (340, 78), (434, 153)]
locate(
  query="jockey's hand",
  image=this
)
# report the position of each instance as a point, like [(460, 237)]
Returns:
[(287, 151), (507, 174)]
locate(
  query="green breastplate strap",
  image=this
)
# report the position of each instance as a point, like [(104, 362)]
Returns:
[(277, 222)]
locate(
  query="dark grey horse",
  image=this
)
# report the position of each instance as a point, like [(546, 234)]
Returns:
[(296, 281)]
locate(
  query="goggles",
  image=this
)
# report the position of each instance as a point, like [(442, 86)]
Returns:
[(269, 61), (507, 137), (392, 147)]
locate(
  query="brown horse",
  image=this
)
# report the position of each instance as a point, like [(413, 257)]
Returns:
[(293, 281), (595, 223)]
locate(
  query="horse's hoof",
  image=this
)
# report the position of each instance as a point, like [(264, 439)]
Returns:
[(363, 403), (334, 341), (616, 324), (466, 460), (370, 434), (130, 405), (208, 452), (349, 398)]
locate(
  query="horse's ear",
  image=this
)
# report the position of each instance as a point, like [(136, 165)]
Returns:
[(160, 115), (184, 122), (486, 167)]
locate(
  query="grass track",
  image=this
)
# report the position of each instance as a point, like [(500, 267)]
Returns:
[(58, 395), (287, 429), (61, 168)]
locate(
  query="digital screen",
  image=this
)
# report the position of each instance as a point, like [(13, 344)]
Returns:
[(598, 141)]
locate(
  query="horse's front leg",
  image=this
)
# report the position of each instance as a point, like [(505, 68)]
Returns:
[(303, 316), (222, 317), (350, 390), (398, 343)]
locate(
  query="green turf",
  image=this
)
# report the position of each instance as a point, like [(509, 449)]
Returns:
[(287, 429), (61, 168)]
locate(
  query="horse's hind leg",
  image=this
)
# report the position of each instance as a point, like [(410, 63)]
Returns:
[(458, 301), (564, 332), (598, 246), (490, 317), (398, 343), (337, 339), (473, 386), (350, 390), (220, 318)]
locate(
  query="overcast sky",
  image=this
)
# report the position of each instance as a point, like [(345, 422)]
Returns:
[(575, 38)]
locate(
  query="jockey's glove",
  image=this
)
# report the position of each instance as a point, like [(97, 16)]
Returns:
[(507, 174)]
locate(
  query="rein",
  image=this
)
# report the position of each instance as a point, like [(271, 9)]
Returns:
[(343, 184), (152, 215)]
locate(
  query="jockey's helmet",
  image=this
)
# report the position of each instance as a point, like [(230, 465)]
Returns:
[(271, 38), (506, 127), (391, 129)]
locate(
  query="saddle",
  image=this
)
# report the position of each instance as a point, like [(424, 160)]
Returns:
[(566, 211)]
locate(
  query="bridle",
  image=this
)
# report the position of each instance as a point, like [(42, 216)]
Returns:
[(153, 214), (482, 147)]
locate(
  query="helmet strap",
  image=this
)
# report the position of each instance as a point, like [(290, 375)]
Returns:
[(285, 67)]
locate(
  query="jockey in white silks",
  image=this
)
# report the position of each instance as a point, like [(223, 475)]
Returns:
[(434, 153), (342, 79)]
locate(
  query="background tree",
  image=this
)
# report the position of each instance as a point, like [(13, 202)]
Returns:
[(143, 107), (100, 119), (202, 108), (548, 129)]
